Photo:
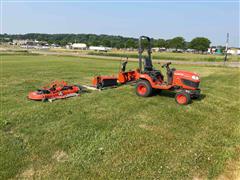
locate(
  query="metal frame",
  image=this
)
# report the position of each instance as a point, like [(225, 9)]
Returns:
[(141, 49)]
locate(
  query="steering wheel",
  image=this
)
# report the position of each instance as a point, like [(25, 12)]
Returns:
[(166, 65)]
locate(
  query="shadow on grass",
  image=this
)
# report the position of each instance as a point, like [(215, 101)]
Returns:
[(172, 95), (201, 97)]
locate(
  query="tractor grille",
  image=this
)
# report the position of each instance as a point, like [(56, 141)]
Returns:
[(190, 83)]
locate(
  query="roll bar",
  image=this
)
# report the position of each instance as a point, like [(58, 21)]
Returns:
[(141, 49)]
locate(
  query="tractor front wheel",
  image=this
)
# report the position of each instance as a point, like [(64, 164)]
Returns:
[(183, 98), (143, 88)]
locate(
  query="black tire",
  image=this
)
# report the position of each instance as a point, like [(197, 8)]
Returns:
[(182, 98), (146, 86)]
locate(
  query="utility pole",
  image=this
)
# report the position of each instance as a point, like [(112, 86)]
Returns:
[(226, 48)]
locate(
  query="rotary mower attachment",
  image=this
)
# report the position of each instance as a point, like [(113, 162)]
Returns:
[(56, 90)]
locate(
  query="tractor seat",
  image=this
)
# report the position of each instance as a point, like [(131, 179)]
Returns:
[(155, 74), (170, 75), (148, 68), (148, 64)]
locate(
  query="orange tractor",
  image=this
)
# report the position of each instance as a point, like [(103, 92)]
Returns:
[(184, 83)]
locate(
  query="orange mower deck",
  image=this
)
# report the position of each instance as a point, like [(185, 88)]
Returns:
[(56, 90)]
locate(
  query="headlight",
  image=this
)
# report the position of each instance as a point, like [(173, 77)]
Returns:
[(195, 77)]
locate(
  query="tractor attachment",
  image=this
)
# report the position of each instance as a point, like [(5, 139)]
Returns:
[(101, 82), (54, 91), (126, 76)]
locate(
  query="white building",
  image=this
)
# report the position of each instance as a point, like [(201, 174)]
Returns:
[(233, 51), (20, 42), (99, 48), (158, 49), (79, 46), (155, 49), (190, 50)]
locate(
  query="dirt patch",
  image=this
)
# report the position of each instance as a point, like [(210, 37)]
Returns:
[(60, 156), (2, 49), (27, 174), (232, 171), (199, 178), (39, 173)]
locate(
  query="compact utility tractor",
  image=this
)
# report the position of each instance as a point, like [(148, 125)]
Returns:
[(184, 83)]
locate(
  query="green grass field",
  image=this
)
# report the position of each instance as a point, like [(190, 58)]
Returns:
[(157, 55), (170, 56), (131, 54), (115, 134)]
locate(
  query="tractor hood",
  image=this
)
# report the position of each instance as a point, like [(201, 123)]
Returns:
[(187, 75)]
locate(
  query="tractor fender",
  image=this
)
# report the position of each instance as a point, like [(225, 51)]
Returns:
[(147, 78), (143, 79)]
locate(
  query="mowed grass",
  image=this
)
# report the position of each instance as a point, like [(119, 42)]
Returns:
[(169, 56), (115, 134), (156, 55)]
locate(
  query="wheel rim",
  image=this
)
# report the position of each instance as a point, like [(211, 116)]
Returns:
[(142, 89), (181, 99)]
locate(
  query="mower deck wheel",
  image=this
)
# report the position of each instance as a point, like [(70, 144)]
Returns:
[(182, 98), (143, 88)]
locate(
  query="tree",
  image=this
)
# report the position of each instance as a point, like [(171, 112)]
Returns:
[(200, 44), (159, 43), (131, 43), (177, 43), (106, 42), (167, 43)]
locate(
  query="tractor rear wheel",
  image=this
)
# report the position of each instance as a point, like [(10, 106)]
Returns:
[(143, 88), (182, 98)]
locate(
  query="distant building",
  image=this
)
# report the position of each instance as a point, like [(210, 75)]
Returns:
[(162, 49), (233, 51), (31, 44), (175, 50), (155, 49), (81, 46), (158, 49), (190, 50), (99, 48), (170, 50), (21, 42), (68, 46), (55, 46), (214, 50)]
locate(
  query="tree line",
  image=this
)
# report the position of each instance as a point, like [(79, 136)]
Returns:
[(198, 43)]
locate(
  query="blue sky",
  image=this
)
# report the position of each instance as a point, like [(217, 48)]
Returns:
[(155, 19)]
